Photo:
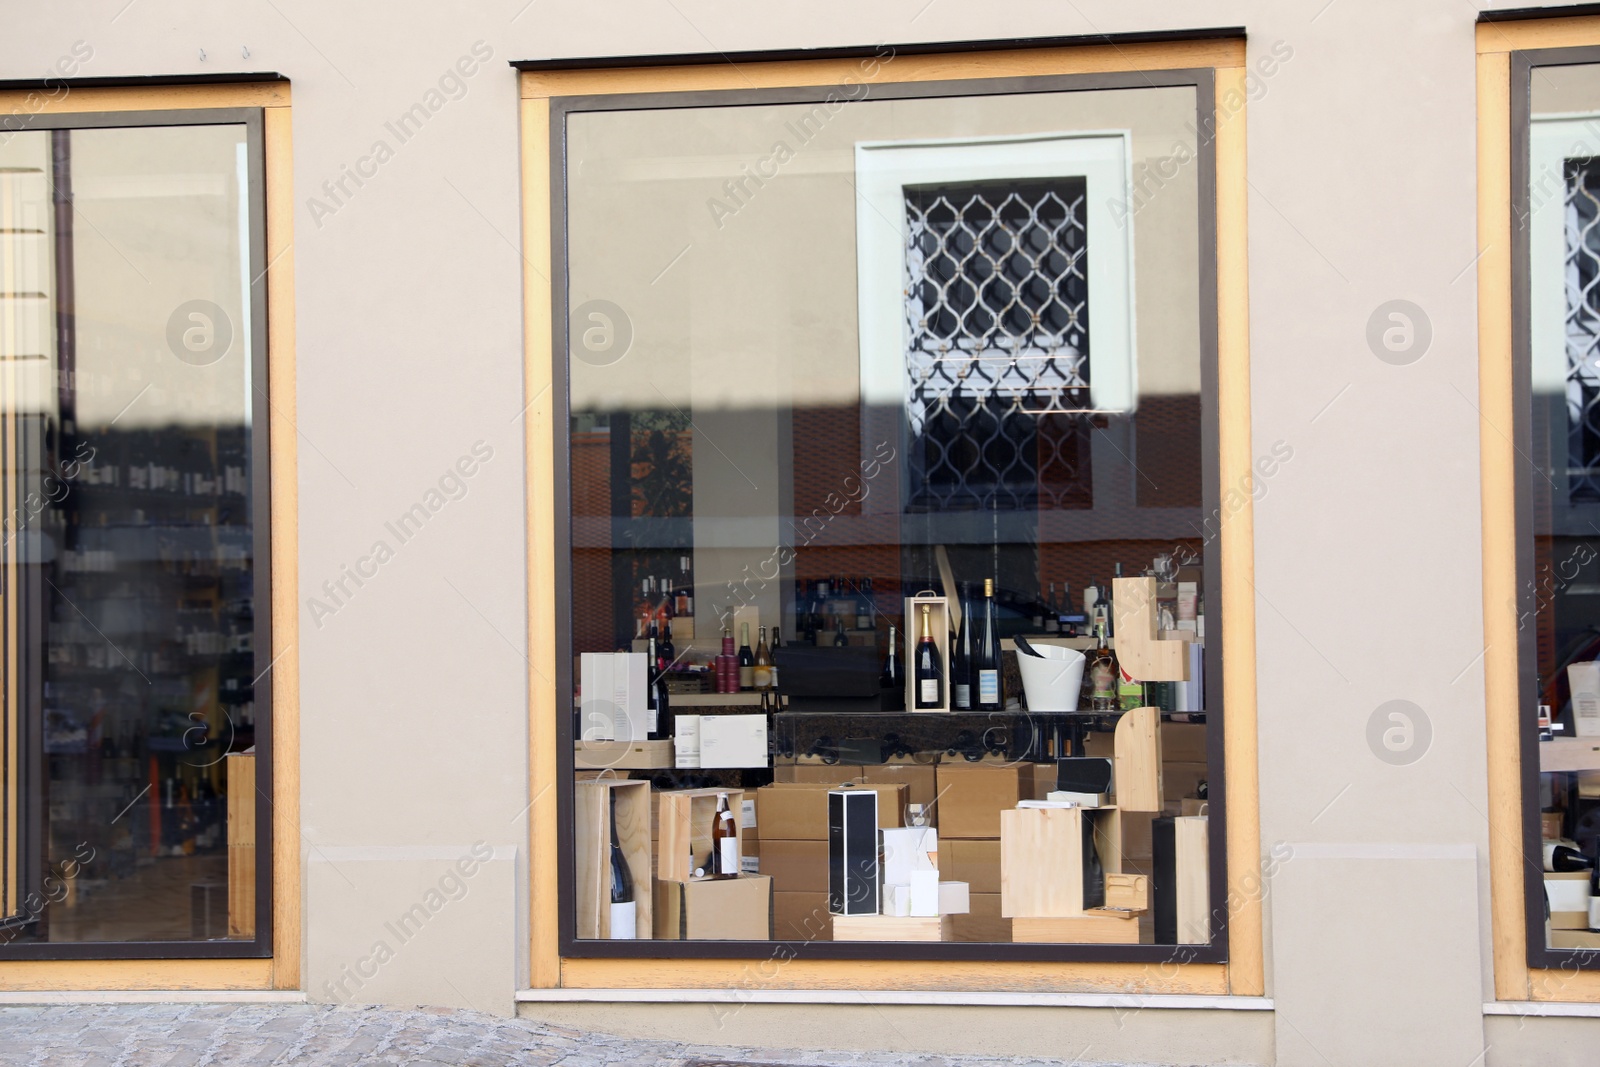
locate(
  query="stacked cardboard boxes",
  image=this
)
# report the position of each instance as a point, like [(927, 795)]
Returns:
[(971, 797)]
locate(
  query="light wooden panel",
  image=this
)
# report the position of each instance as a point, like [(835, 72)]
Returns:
[(286, 903), (892, 927), (1077, 930), (1140, 649), (685, 823), (1535, 33), (153, 98), (1042, 859), (241, 844), (1245, 973), (1246, 968), (1092, 59), (1136, 758), (538, 419), (135, 974)]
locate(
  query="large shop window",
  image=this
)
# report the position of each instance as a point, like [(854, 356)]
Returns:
[(133, 563), (889, 594)]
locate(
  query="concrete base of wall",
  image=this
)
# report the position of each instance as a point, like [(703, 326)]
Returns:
[(1121, 1035), (1550, 1042)]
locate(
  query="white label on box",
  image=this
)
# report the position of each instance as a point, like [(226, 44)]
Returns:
[(686, 742), (747, 813), (733, 741), (1584, 679), (750, 864)]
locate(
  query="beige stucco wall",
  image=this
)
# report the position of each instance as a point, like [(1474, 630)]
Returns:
[(409, 350)]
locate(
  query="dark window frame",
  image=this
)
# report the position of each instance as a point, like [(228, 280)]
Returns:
[(1203, 81), (259, 947)]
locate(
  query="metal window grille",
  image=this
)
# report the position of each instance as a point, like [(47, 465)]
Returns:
[(997, 361), (1582, 275)]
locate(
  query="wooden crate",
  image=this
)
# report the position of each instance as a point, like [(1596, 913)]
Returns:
[(1136, 760), (684, 823), (591, 849), (241, 769), (1096, 929), (939, 623), (892, 928), (1041, 858), (622, 755)]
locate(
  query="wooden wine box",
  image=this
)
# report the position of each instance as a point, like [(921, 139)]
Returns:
[(1042, 859), (684, 825), (241, 843), (893, 928), (1093, 929), (591, 849), (939, 625), (622, 755)]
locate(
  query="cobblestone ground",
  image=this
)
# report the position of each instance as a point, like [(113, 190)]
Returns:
[(223, 1035)]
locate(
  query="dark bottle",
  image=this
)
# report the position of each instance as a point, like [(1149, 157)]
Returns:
[(624, 912), (929, 668), (961, 658), (893, 679), (1565, 858), (777, 643), (839, 638), (668, 655), (656, 699), (986, 656), (747, 660)]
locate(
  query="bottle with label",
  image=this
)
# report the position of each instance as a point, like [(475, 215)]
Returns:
[(761, 671), (777, 642), (961, 657), (747, 660), (1562, 857), (893, 679), (1102, 674), (725, 861), (1130, 691), (987, 663), (929, 667), (624, 911), (652, 670)]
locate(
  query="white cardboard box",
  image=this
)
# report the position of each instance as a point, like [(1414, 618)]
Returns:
[(686, 742), (612, 687), (1584, 679), (733, 741), (907, 849)]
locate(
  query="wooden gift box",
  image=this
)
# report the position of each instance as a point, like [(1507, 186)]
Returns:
[(684, 823), (591, 850), (939, 623), (1042, 859)]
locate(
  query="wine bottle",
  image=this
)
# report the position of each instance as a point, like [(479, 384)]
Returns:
[(761, 671), (624, 911), (1559, 857), (1052, 614), (725, 860), (990, 695), (652, 669), (1103, 673), (839, 638), (930, 667), (893, 680), (777, 642), (961, 657), (747, 660), (667, 653)]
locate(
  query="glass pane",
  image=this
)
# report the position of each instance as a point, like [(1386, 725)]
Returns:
[(835, 363), (125, 365)]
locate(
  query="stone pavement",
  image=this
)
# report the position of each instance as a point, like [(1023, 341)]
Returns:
[(225, 1035)]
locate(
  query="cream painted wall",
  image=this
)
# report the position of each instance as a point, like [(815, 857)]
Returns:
[(408, 304)]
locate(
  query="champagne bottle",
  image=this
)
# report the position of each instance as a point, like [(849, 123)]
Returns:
[(725, 860), (930, 667), (747, 660), (961, 657), (761, 671), (624, 911), (1559, 857), (893, 679), (1103, 674), (990, 696)]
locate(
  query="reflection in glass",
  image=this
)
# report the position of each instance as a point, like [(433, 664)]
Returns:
[(129, 559)]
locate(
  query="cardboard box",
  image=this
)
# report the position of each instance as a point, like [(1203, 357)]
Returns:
[(798, 811), (1183, 742), (920, 780), (801, 917), (974, 861), (972, 796), (733, 741), (796, 866), (714, 909), (983, 922), (1550, 825), (818, 772), (1574, 939), (1180, 780)]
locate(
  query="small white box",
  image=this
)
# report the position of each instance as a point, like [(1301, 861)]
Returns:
[(907, 849), (954, 898), (925, 892), (612, 688), (733, 741), (686, 742), (1584, 678), (896, 900), (1567, 894), (1079, 800)]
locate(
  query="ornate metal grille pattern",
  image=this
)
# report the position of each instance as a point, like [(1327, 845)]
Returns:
[(997, 313), (1582, 272)]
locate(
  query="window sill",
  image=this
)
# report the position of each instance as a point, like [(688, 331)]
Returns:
[(1191, 1002)]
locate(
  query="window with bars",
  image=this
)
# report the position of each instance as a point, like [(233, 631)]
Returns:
[(997, 354)]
